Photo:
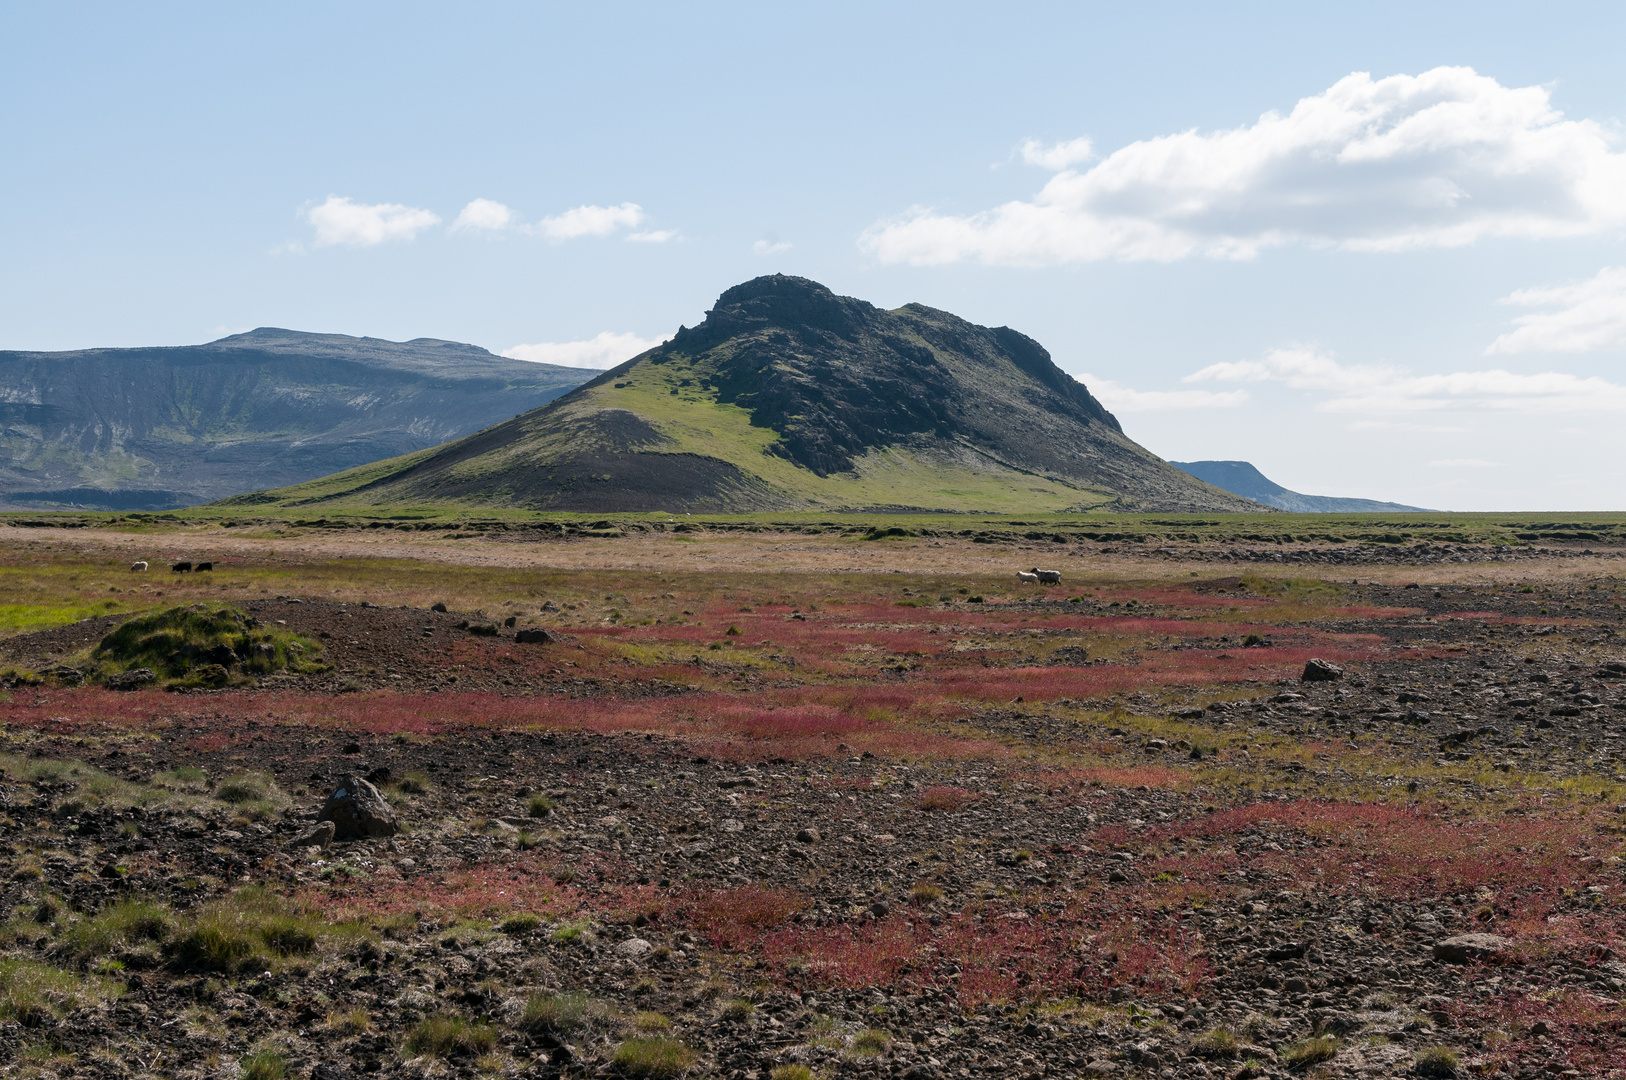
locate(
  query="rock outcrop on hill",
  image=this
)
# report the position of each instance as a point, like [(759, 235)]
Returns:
[(788, 396)]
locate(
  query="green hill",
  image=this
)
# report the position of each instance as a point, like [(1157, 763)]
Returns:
[(790, 397)]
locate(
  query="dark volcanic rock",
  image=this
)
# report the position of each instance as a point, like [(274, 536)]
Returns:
[(358, 811), (1469, 948)]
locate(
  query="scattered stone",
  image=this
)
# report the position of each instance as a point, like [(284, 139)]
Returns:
[(632, 948), (133, 679), (319, 835), (534, 635), (357, 811), (809, 835)]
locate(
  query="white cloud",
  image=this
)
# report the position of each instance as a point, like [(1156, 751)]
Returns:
[(1464, 463), (604, 351), (484, 215), (1125, 400), (769, 247), (1434, 160), (1587, 316), (654, 236), (591, 221), (1366, 388), (1058, 156), (341, 221)]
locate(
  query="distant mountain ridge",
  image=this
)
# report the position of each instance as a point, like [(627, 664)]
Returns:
[(1241, 478), (788, 396), (153, 428)]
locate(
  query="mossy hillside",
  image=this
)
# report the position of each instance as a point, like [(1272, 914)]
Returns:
[(184, 642)]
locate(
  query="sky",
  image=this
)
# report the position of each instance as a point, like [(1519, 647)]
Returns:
[(1378, 250)]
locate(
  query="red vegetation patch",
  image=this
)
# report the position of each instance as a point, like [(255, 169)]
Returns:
[(944, 798), (732, 918)]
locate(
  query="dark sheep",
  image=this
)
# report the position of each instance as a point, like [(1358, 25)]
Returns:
[(182, 568), (202, 566)]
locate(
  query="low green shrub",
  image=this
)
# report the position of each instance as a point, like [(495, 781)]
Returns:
[(560, 1014)]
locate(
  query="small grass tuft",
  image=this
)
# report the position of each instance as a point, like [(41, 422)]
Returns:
[(560, 1014), (522, 923), (1217, 1042), (449, 1036), (1436, 1062), (653, 1059), (871, 1042), (739, 1009), (539, 806), (792, 1072), (263, 1065), (1303, 1054)]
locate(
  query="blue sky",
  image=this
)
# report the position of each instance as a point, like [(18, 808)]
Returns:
[(1373, 249)]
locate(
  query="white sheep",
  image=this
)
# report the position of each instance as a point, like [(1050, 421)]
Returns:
[(138, 566), (1048, 577), (1031, 579)]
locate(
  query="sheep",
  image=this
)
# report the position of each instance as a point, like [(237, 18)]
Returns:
[(202, 566), (182, 568), (136, 567), (1031, 579), (1048, 577)]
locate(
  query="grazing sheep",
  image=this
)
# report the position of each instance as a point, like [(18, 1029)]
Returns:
[(1031, 579), (1047, 577), (202, 566), (137, 566), (182, 568)]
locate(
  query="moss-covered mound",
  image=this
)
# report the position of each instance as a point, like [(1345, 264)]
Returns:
[(201, 647)]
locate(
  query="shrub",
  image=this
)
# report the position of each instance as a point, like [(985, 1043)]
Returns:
[(539, 806), (560, 1014), (448, 1035), (653, 1059), (925, 894), (569, 933), (739, 1009), (523, 923), (1301, 1055), (1436, 1062)]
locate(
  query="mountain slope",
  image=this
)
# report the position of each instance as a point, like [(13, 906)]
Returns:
[(1241, 478), (163, 427), (789, 396)]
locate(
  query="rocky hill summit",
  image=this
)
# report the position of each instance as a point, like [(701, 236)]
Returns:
[(788, 396), (153, 428)]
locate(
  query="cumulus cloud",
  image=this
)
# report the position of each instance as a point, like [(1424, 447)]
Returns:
[(1584, 317), (1057, 156), (591, 221), (342, 221), (1122, 399), (604, 351), (484, 215), (1433, 160), (1372, 388)]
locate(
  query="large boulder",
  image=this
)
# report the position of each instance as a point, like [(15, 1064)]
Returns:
[(1472, 948), (1319, 670), (358, 811)]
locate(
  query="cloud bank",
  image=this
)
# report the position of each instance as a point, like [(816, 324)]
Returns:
[(604, 351), (341, 221), (1381, 389), (1584, 317), (1122, 399), (484, 215), (1433, 160)]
